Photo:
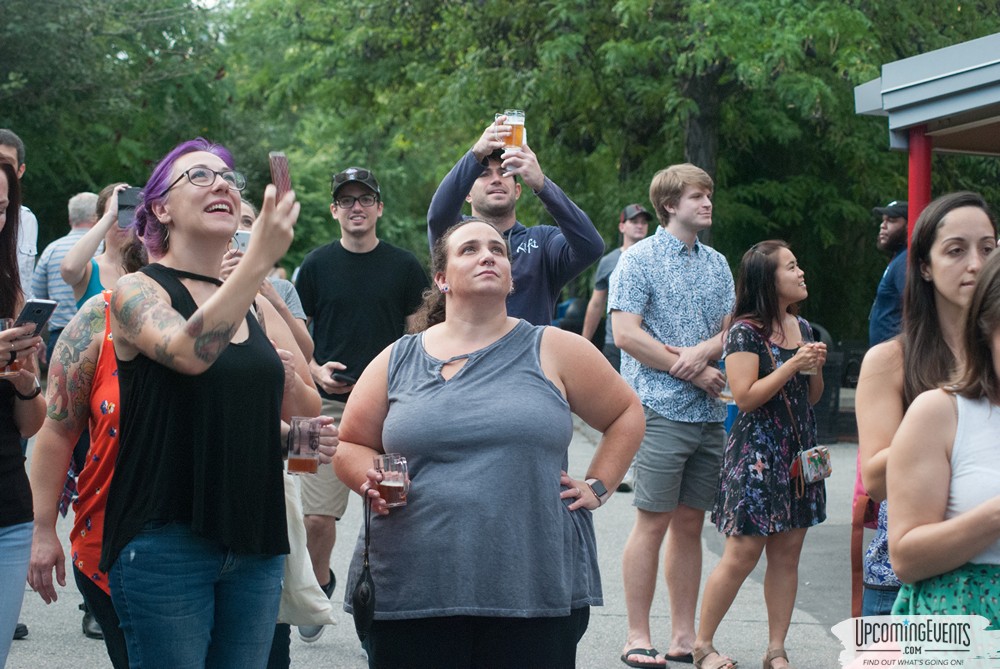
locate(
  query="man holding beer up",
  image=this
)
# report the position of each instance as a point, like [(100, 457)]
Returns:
[(544, 257)]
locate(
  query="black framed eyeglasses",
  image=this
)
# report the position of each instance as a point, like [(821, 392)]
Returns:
[(204, 177), (347, 201)]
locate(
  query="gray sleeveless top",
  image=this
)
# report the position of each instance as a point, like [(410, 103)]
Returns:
[(484, 532)]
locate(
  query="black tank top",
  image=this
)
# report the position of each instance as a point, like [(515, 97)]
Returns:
[(15, 493), (203, 450)]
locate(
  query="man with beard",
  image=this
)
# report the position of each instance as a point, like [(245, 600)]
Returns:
[(544, 258), (887, 311)]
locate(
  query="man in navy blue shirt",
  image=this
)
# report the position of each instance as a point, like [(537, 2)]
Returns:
[(886, 315), (544, 257)]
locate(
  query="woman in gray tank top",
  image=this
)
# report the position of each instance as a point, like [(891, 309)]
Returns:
[(493, 561)]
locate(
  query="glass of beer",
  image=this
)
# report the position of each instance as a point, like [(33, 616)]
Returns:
[(395, 479), (515, 119), (12, 368), (303, 445)]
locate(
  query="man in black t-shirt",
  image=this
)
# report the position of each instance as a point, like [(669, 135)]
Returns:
[(358, 293)]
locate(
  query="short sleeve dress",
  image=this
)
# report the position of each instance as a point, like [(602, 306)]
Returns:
[(756, 493)]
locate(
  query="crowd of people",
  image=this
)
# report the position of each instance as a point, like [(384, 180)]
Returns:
[(176, 474)]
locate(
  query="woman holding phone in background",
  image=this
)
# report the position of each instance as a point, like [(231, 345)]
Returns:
[(181, 533), (279, 292), (22, 409), (88, 274)]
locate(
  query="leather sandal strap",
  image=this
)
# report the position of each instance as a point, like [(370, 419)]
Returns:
[(774, 654)]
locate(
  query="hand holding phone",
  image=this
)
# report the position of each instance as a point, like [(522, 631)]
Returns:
[(36, 312), (340, 377), (128, 199), (279, 173), (242, 238)]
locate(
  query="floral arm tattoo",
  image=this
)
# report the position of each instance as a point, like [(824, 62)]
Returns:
[(73, 365), (137, 304)]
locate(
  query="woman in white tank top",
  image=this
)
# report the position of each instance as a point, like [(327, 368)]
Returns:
[(944, 478)]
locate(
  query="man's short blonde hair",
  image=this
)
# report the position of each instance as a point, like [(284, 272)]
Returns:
[(668, 184)]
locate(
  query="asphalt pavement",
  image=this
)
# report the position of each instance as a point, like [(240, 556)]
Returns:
[(55, 639)]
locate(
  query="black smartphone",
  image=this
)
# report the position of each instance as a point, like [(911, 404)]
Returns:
[(279, 173), (344, 378), (37, 312), (128, 200)]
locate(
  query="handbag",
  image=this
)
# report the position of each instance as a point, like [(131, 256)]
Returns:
[(303, 601), (363, 594), (812, 465)]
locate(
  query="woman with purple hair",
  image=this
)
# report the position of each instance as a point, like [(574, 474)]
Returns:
[(194, 563)]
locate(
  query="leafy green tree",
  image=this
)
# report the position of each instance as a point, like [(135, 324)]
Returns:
[(99, 90)]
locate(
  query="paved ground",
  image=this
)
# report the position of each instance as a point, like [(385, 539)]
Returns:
[(55, 639)]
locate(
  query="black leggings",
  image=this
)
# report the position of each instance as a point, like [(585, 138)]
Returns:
[(470, 642), (99, 603)]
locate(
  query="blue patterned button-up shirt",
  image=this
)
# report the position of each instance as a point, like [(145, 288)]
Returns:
[(683, 296)]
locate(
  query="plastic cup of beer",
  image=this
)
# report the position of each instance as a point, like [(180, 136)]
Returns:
[(12, 368), (809, 371), (395, 479), (303, 445), (515, 119)]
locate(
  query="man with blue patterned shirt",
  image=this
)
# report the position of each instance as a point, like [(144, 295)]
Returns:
[(670, 299)]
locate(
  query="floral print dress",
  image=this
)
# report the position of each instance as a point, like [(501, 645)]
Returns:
[(756, 493)]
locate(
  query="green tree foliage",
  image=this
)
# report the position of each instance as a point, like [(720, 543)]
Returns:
[(98, 90)]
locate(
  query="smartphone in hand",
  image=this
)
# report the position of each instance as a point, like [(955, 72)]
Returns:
[(242, 238), (340, 377), (37, 312), (279, 173), (128, 200)]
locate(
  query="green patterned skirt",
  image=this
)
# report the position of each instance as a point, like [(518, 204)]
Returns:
[(972, 589)]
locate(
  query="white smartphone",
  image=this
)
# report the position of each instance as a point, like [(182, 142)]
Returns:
[(242, 238)]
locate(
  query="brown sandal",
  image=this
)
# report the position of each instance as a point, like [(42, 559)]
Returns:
[(720, 662), (774, 654)]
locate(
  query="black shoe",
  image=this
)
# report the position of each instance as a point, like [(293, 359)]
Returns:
[(20, 631), (92, 628)]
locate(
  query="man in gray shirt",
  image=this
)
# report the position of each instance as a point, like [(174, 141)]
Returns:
[(633, 225)]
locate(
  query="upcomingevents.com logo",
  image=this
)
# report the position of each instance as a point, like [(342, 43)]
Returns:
[(918, 641)]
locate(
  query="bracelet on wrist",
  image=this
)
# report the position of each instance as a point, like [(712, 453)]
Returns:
[(32, 395)]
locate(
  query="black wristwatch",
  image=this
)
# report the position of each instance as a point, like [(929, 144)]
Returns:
[(599, 489), (33, 394)]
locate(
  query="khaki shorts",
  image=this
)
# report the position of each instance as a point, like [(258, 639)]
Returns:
[(323, 494), (678, 463)]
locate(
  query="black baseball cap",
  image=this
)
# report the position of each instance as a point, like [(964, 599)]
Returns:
[(895, 209), (356, 174), (633, 210)]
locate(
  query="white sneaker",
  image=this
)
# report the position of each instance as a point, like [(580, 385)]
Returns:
[(311, 633)]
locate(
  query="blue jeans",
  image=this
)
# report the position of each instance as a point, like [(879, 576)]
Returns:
[(877, 602), (186, 601), (15, 552)]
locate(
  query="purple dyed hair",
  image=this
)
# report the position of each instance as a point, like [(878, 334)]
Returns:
[(152, 232)]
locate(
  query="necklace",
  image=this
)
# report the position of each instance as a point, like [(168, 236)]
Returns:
[(191, 275)]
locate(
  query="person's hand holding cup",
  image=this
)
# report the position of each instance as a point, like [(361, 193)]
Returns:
[(513, 138), (392, 479), (303, 445)]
